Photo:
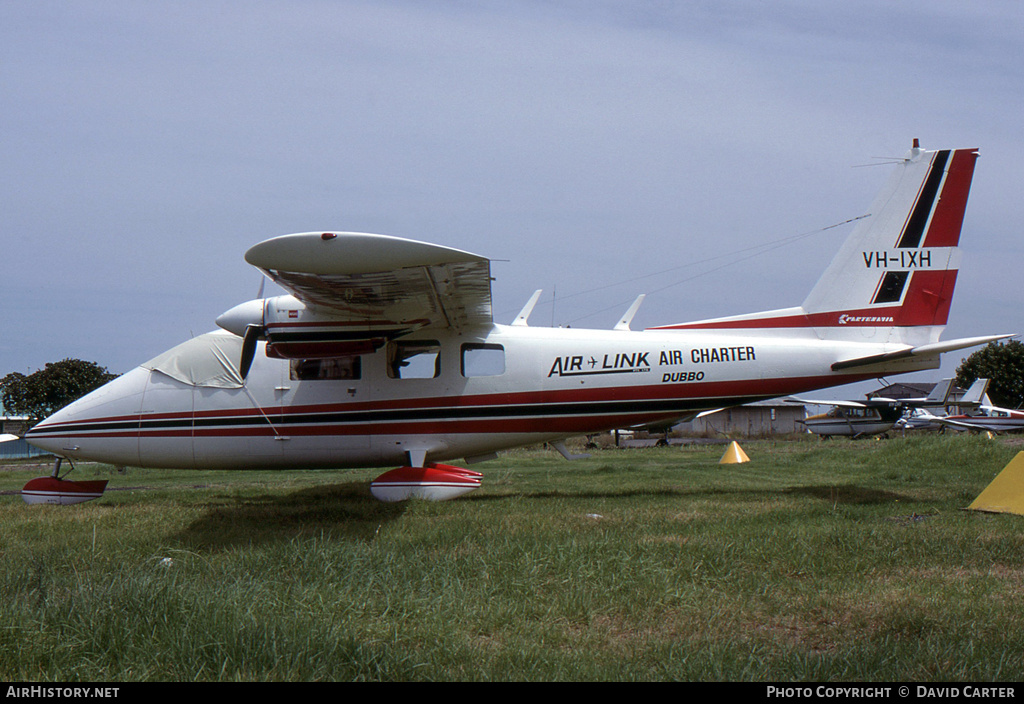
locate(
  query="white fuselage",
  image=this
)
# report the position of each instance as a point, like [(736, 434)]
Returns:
[(991, 418), (519, 385), (850, 422)]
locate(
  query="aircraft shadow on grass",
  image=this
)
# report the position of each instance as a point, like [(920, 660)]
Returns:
[(339, 510), (349, 511)]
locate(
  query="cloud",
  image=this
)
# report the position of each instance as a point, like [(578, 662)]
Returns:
[(151, 144)]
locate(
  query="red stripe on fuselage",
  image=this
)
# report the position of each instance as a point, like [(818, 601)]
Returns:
[(569, 421)]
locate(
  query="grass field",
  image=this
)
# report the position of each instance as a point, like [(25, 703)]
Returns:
[(822, 561)]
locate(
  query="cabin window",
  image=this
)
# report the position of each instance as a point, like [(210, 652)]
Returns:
[(419, 359), (325, 369), (482, 360)]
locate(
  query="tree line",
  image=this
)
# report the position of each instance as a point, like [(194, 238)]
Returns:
[(49, 389)]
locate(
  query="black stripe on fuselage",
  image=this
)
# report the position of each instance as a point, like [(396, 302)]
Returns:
[(443, 414)]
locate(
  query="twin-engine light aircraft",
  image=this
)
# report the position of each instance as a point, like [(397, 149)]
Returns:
[(386, 353)]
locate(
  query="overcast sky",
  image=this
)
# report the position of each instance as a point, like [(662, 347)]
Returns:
[(598, 149)]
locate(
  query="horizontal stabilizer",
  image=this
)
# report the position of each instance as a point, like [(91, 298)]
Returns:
[(816, 402), (933, 349)]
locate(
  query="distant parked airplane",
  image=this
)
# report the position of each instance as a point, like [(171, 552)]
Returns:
[(869, 417), (879, 415), (989, 418), (923, 419)]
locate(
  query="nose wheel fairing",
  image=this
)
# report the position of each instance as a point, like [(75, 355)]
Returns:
[(63, 492), (51, 490)]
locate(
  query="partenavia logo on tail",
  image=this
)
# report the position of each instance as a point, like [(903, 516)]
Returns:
[(845, 319)]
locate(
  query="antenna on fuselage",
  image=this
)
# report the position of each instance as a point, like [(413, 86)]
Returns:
[(626, 319), (524, 314)]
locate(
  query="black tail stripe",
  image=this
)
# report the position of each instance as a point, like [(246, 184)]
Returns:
[(914, 231), (890, 289)]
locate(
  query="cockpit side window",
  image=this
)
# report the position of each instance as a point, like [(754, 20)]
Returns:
[(334, 368), (482, 360), (414, 359)]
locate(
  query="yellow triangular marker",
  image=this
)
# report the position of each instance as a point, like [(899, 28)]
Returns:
[(734, 455), (1006, 492)]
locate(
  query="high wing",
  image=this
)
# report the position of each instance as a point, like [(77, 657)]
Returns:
[(353, 291), (362, 276), (937, 397)]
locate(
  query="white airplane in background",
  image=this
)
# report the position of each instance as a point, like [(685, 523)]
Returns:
[(879, 415), (921, 418), (870, 417), (989, 418), (385, 353), (992, 419)]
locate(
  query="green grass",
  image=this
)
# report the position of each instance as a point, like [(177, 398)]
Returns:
[(825, 561)]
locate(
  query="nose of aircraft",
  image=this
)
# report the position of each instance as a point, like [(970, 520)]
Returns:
[(102, 426), (241, 316)]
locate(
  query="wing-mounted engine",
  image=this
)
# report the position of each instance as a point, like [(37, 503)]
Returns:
[(296, 331), (293, 330), (352, 292)]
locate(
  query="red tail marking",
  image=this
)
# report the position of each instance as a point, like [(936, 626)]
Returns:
[(928, 298), (948, 218)]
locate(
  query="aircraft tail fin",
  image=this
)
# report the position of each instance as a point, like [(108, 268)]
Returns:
[(893, 278), (940, 392), (976, 394), (899, 266)]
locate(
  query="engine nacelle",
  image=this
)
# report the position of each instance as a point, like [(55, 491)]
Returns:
[(295, 331)]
